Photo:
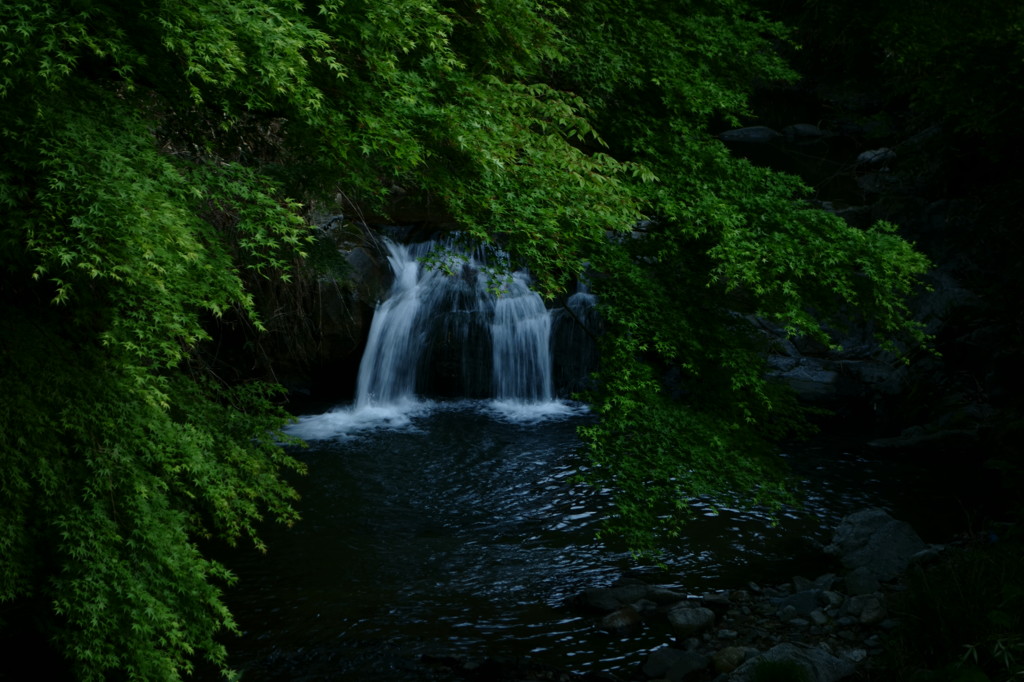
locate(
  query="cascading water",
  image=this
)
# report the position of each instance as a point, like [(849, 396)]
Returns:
[(464, 537), (451, 327), (435, 313), (387, 373), (521, 333)]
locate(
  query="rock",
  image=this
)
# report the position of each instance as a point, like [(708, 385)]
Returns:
[(867, 608), (623, 622), (690, 620), (717, 600), (750, 135), (612, 598), (728, 659), (739, 596), (671, 664), (663, 595), (820, 664), (367, 274), (803, 602), (802, 584), (928, 555), (810, 378), (874, 157), (876, 376), (874, 541), (645, 607), (833, 598), (861, 581), (874, 612), (787, 613), (803, 133)]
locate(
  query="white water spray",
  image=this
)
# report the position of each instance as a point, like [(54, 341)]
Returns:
[(446, 329)]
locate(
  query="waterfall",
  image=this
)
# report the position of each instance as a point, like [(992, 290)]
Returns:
[(387, 372), (521, 333), (447, 329), (451, 327)]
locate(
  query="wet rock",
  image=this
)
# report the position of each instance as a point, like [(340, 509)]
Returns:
[(611, 598), (674, 665), (739, 596), (624, 622), (728, 659), (818, 661), (803, 602), (861, 581), (810, 378), (867, 608), (645, 607), (802, 584), (663, 596), (750, 135), (927, 555), (717, 600), (874, 541), (803, 133), (875, 157), (833, 598), (690, 620)]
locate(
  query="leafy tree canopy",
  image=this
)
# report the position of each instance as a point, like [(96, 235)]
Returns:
[(159, 156)]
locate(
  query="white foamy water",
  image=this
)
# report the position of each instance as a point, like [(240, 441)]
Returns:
[(346, 421), (523, 412)]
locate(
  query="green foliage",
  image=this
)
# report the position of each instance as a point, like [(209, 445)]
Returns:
[(961, 66), (963, 617), (685, 405), (157, 162)]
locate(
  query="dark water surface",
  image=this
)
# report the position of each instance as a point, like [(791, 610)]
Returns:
[(461, 533)]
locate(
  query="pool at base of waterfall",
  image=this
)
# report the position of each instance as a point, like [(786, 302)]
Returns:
[(457, 530)]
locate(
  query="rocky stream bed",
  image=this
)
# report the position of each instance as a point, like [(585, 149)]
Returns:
[(821, 629)]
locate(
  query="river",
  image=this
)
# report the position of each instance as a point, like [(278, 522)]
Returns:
[(456, 530)]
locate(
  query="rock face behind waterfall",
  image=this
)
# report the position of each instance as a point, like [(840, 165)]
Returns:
[(453, 325), (411, 319), (318, 320)]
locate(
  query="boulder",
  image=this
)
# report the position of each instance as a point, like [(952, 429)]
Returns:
[(674, 665), (612, 598), (750, 135), (803, 602), (867, 608), (861, 581), (817, 661), (690, 620), (875, 156), (728, 659), (624, 622), (875, 542), (803, 133), (810, 378)]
